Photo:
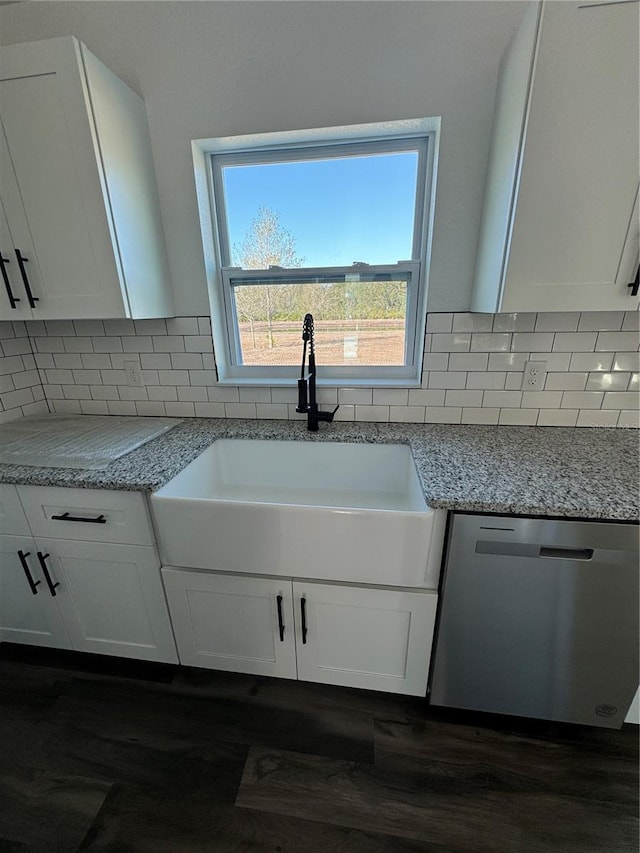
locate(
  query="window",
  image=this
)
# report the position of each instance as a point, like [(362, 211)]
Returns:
[(335, 223)]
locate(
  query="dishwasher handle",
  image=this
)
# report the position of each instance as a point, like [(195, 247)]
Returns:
[(566, 553), (502, 548)]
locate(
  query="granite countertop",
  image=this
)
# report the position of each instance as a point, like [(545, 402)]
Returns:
[(556, 471)]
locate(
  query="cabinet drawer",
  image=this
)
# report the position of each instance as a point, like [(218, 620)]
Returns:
[(13, 521), (90, 515)]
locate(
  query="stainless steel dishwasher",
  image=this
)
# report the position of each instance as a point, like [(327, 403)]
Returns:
[(539, 618)]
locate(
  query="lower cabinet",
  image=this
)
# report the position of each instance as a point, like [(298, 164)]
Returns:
[(357, 636), (87, 596)]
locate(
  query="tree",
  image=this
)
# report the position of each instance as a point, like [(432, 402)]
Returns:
[(266, 244)]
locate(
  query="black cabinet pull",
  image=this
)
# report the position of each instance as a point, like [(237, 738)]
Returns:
[(25, 278), (280, 619), (635, 284), (23, 559), (7, 284), (45, 571), (303, 612), (66, 517)]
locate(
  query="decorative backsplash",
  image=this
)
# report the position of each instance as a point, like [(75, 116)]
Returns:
[(472, 372)]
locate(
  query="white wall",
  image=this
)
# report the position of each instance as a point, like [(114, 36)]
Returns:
[(224, 68)]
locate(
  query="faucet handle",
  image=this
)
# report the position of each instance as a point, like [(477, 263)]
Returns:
[(328, 416)]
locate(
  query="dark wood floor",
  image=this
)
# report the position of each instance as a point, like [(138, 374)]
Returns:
[(102, 755)]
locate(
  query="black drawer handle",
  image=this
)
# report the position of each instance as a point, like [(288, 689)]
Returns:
[(567, 553), (7, 284), (23, 559), (45, 571), (280, 619), (635, 284), (303, 612), (25, 278), (66, 517)]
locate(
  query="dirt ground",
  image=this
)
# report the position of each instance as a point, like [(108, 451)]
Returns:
[(361, 342)]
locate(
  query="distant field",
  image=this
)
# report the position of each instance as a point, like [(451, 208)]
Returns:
[(358, 342)]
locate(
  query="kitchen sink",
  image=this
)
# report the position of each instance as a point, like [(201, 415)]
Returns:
[(327, 510)]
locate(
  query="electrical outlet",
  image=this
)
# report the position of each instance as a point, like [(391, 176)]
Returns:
[(134, 377), (535, 373)]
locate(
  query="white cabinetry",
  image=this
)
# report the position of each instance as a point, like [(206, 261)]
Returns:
[(559, 229), (357, 636), (80, 230), (82, 591)]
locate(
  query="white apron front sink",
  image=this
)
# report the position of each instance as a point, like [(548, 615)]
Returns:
[(327, 510)]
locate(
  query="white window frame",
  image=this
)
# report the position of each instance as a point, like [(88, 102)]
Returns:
[(211, 155)]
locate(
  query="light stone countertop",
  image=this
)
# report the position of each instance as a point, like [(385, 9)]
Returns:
[(553, 471)]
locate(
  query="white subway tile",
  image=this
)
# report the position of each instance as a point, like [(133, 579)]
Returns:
[(49, 344), (53, 392), (11, 365), (162, 393), (442, 415), (541, 399), (59, 327), (628, 361), (150, 327), (26, 379), (180, 410), (138, 343), (240, 410), (634, 383), (113, 377), (435, 361), (558, 321), (629, 418), (38, 392), (38, 408), (601, 321), (67, 407), (439, 322), (487, 381), (590, 361), (186, 361), (146, 409), (631, 322), (12, 399), (93, 407), (88, 328), (204, 326), (208, 361), (418, 397), (210, 410), (198, 343), (468, 361), (128, 392), (459, 342), (502, 399), (472, 322), (208, 377), (518, 417), (182, 326), (472, 399), (6, 384), (68, 360), (285, 395), (16, 346), (390, 396), (575, 341), (532, 341), (192, 394), (10, 415), (168, 343), (613, 341), (253, 395), (105, 392), (372, 414), (119, 360), (344, 413), (582, 399), (272, 411), (87, 377), (324, 395), (29, 362), (607, 381), (44, 360), (516, 322), (19, 329), (119, 327), (174, 377), (59, 377), (355, 396), (82, 345), (76, 392), (149, 377), (507, 361), (156, 361), (450, 379), (35, 328), (427, 343), (480, 416), (621, 400), (406, 414), (223, 394), (107, 344), (557, 417), (566, 381), (555, 362), (7, 330), (119, 407), (597, 418)]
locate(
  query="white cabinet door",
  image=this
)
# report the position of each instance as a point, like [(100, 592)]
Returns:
[(13, 520), (78, 186), (14, 304), (232, 622), (378, 639), (110, 597), (28, 612)]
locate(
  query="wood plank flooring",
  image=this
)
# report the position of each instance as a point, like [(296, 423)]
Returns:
[(121, 757)]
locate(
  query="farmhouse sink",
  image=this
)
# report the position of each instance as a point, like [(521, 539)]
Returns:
[(326, 510)]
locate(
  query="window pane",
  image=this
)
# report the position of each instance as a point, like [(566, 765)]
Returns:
[(322, 213), (357, 322)]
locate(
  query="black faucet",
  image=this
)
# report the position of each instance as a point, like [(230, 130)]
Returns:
[(307, 387)]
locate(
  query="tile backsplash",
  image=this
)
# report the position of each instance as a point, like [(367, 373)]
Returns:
[(472, 372)]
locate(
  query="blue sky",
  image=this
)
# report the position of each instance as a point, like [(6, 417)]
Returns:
[(339, 210)]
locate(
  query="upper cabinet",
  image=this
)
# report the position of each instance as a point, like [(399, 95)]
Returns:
[(560, 221), (80, 230)]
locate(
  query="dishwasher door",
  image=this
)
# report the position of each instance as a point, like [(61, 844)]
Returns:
[(539, 618)]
